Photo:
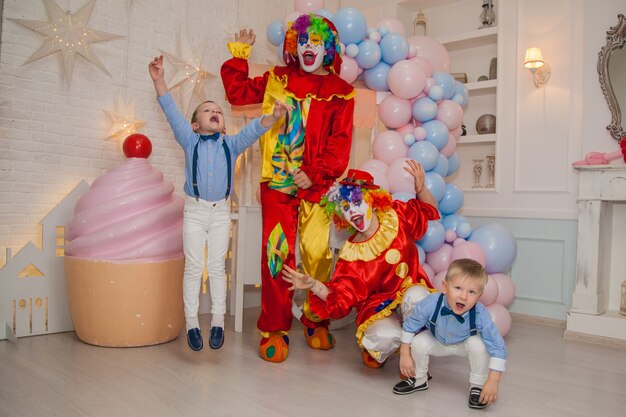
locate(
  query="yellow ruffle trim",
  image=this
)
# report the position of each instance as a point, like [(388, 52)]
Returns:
[(268, 334), (386, 312), (283, 81), (377, 244), (240, 49)]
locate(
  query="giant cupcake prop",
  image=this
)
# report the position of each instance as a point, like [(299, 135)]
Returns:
[(124, 257)]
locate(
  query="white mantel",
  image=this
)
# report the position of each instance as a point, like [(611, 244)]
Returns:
[(600, 187)]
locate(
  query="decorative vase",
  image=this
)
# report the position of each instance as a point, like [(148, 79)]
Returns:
[(487, 16), (486, 124), (478, 172), (491, 171), (493, 69)]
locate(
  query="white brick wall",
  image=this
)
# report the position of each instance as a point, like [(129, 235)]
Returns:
[(51, 136)]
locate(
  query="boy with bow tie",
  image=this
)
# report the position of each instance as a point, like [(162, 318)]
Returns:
[(210, 157), (459, 325)]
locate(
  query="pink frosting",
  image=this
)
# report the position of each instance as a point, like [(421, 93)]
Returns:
[(129, 214)]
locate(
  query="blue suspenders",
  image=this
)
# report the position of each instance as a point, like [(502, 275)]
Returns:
[(196, 192), (433, 319)]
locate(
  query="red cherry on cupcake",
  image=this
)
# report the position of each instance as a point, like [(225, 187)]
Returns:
[(137, 146)]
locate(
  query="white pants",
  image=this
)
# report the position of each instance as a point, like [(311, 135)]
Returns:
[(382, 338), (424, 345), (205, 223)]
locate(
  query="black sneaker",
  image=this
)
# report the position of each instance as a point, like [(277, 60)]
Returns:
[(474, 398), (407, 386), (194, 339)]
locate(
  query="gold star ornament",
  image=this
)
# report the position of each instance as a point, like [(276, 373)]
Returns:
[(122, 120), (67, 34)]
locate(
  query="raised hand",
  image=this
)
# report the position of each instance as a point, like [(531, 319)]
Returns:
[(155, 68), (417, 171), (245, 36)]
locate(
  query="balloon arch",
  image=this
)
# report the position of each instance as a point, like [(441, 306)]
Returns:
[(423, 114)]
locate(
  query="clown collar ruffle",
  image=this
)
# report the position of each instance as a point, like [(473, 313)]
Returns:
[(300, 84), (377, 244)]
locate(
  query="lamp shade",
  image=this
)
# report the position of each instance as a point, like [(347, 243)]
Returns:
[(533, 58)]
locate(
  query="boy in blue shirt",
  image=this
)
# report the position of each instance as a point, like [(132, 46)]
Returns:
[(457, 325), (210, 157)]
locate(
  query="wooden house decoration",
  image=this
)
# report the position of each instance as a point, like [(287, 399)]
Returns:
[(33, 298)]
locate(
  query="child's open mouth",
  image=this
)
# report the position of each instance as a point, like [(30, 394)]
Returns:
[(460, 306), (215, 119)]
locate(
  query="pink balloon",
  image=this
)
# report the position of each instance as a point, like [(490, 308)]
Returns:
[(450, 236), (305, 6), (501, 318), (433, 51), (457, 132), (393, 24), (490, 292), (450, 113), (400, 181), (394, 111), (424, 63), (429, 272), (349, 69), (506, 289), (406, 79), (450, 147), (388, 146), (380, 178), (438, 280), (458, 241), (375, 164), (406, 129), (412, 52), (470, 250), (419, 133), (440, 259), (428, 84)]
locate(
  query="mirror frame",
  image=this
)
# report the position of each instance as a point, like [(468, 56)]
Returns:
[(614, 40)]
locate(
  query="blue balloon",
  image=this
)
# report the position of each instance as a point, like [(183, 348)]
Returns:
[(453, 164), (383, 30), (275, 32), (437, 133), (424, 109), (464, 230), (376, 78), (279, 51), (402, 196), (324, 13), (436, 185), (461, 89), (351, 25), (369, 54), (453, 221), (394, 48), (421, 254), (445, 81), (498, 244), (434, 237), (435, 92), (425, 153), (442, 166), (452, 200)]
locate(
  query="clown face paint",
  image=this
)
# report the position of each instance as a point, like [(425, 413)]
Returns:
[(310, 51), (358, 213)]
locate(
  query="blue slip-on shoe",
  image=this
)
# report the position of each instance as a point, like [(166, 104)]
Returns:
[(216, 339), (194, 339)]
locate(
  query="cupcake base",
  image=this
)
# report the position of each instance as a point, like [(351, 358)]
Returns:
[(125, 304)]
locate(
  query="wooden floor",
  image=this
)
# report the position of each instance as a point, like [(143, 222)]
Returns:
[(58, 375)]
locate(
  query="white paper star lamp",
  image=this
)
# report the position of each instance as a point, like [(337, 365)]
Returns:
[(68, 34), (122, 120), (190, 76)]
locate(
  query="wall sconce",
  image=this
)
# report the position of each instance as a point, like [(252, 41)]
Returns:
[(535, 63)]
